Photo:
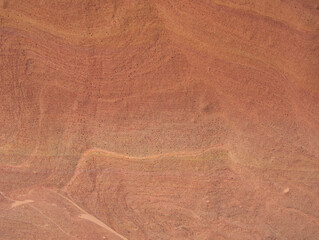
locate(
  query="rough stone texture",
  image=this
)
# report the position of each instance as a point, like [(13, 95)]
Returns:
[(159, 119)]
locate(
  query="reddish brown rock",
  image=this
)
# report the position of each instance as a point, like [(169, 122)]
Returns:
[(159, 119)]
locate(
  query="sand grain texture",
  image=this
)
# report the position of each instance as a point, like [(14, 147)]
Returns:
[(159, 119)]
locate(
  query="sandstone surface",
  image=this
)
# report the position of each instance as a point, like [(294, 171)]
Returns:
[(159, 119)]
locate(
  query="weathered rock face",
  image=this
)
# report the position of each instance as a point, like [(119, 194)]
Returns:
[(159, 119)]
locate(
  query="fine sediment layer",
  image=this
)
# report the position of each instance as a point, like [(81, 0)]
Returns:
[(159, 119)]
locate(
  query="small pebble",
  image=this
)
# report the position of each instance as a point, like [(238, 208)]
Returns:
[(286, 190)]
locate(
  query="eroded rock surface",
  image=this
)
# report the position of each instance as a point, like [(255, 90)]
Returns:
[(159, 119)]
